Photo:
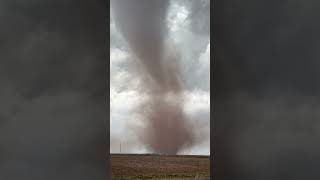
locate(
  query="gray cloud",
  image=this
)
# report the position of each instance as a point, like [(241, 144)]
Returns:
[(266, 90), (53, 85), (193, 38)]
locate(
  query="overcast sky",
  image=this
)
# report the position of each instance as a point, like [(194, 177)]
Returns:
[(189, 25)]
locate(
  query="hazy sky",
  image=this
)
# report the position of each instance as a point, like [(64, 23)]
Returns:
[(189, 24)]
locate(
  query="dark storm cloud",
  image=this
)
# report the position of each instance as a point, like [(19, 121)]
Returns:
[(195, 42), (199, 16), (266, 90), (53, 85)]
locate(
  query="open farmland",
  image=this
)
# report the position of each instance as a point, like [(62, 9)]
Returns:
[(133, 166)]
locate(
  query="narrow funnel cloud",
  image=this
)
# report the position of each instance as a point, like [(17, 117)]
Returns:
[(143, 25)]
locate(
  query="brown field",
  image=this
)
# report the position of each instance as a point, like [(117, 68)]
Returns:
[(132, 166)]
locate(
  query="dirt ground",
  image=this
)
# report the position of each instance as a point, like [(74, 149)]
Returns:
[(125, 166)]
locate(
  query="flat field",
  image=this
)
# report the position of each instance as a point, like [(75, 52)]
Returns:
[(134, 166)]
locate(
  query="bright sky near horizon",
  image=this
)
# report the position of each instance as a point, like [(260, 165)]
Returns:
[(189, 29)]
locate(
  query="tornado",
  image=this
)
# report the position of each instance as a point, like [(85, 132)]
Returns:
[(143, 25)]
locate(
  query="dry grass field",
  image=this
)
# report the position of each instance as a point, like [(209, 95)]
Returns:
[(133, 166)]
